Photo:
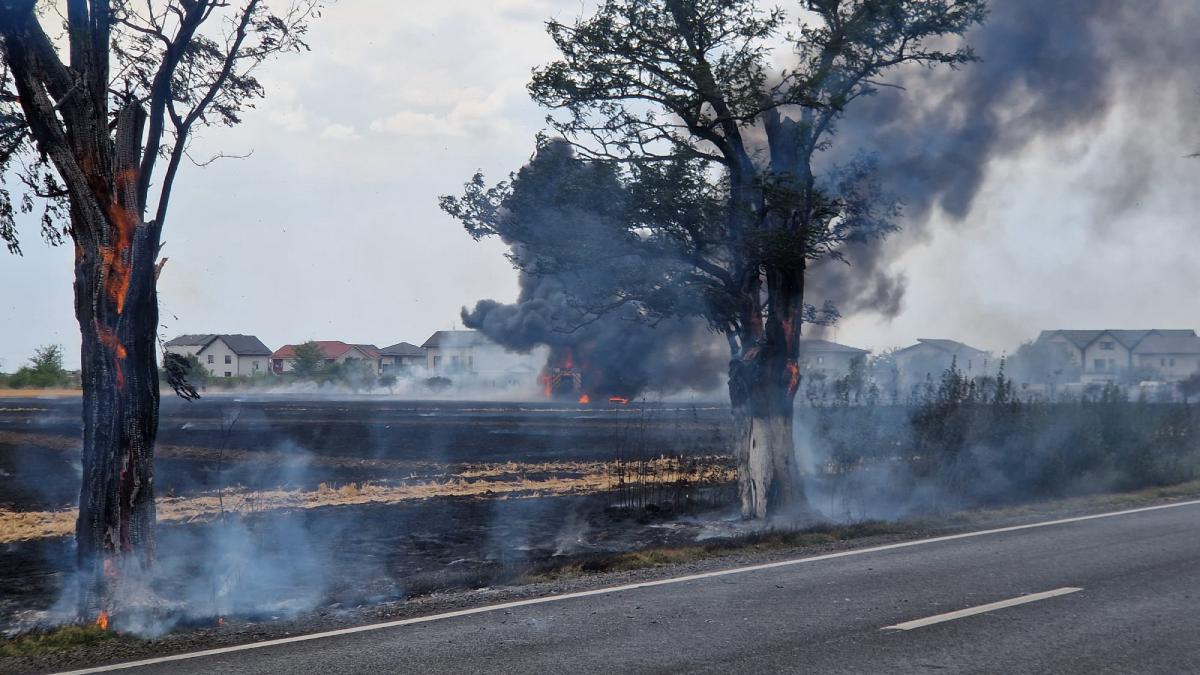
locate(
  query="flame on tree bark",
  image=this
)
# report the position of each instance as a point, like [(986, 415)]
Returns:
[(763, 381), (87, 141)]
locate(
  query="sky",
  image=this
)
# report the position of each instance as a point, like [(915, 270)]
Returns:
[(330, 229)]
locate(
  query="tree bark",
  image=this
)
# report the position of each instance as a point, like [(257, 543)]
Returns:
[(115, 528), (762, 393), (116, 305)]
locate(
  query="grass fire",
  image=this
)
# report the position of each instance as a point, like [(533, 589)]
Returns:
[(500, 335)]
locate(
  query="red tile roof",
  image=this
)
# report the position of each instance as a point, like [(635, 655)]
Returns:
[(332, 349)]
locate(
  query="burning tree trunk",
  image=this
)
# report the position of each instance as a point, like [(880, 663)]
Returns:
[(769, 481), (90, 140), (764, 376), (116, 304)]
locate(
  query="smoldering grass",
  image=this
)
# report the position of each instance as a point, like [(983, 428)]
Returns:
[(60, 639), (771, 540)]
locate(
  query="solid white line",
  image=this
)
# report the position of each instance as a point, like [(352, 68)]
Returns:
[(617, 589), (990, 607)]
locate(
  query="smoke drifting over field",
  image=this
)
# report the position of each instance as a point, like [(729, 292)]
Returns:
[(1048, 70)]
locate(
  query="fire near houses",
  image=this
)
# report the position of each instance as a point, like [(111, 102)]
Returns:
[(224, 355), (470, 354)]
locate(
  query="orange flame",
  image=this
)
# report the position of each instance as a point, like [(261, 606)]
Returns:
[(220, 621), (102, 620), (618, 399), (110, 340), (117, 257), (584, 399), (793, 376)]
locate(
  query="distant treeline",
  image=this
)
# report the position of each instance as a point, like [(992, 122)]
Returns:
[(44, 371)]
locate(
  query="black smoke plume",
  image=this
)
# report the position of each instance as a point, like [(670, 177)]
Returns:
[(1047, 70), (564, 223)]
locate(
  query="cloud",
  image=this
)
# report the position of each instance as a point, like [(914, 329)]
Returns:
[(339, 132), (291, 118), (406, 123), (473, 114)]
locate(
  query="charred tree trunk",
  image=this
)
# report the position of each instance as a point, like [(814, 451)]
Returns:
[(763, 381), (769, 479), (116, 304)]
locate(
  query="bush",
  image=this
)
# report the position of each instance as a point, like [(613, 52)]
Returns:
[(437, 383), (974, 442), (45, 371)]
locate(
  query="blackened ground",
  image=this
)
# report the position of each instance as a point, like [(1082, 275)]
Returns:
[(291, 442), (275, 563)]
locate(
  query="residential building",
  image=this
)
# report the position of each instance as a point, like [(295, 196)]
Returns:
[(400, 357), (471, 354), (332, 351), (1109, 355), (822, 359), (224, 355), (454, 351), (931, 357)]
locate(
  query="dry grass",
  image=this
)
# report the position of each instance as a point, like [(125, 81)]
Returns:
[(496, 481), (39, 393), (56, 640)]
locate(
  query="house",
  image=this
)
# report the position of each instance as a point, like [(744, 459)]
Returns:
[(931, 357), (454, 351), (333, 351), (822, 359), (1173, 355), (471, 355), (1106, 355), (224, 355), (400, 357)]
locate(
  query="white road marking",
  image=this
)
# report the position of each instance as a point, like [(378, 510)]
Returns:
[(990, 607), (616, 589)]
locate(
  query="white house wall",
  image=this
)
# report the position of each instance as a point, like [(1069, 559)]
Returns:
[(1116, 358)]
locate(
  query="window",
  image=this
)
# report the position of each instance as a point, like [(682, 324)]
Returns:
[(210, 358), (228, 359), (1106, 345), (471, 362), (1100, 365), (228, 374), (820, 360), (1162, 362), (437, 361), (255, 363), (1172, 360)]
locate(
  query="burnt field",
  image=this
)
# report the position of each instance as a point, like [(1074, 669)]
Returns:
[(271, 506), (255, 442)]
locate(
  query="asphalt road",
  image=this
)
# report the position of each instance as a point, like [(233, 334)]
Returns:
[(1137, 611)]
